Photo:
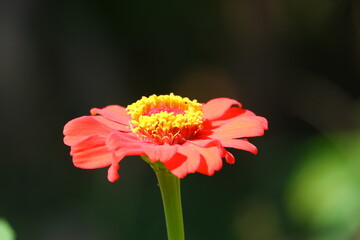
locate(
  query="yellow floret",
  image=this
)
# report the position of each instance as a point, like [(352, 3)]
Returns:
[(166, 127)]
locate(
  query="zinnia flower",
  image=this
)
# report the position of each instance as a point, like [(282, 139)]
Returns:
[(184, 135)]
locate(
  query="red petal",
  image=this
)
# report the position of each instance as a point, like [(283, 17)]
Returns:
[(264, 122), (239, 127), (242, 144), (210, 160), (193, 158), (229, 157), (176, 163), (180, 166), (215, 108), (114, 113), (231, 113), (79, 128), (160, 153), (117, 140), (113, 174), (112, 124), (91, 153), (124, 144)]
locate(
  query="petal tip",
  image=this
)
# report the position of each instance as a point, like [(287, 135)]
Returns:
[(113, 174)]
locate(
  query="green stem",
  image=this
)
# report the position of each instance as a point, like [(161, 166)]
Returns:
[(170, 191)]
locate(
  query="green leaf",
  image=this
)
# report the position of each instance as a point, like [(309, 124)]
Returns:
[(6, 232)]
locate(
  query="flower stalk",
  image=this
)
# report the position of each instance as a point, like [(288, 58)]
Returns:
[(170, 192)]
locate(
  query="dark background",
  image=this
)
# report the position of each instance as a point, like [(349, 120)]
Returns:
[(295, 62)]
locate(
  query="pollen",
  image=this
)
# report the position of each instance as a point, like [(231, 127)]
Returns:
[(165, 119)]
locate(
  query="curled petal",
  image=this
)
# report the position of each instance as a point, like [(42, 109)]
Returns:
[(210, 161), (210, 157), (124, 144), (121, 145), (187, 160), (176, 163), (79, 128), (215, 108), (113, 174), (229, 157), (91, 153), (193, 156), (114, 113), (160, 153)]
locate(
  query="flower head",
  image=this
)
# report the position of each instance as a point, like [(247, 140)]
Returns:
[(186, 136)]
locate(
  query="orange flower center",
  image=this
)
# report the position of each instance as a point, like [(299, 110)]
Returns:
[(165, 119)]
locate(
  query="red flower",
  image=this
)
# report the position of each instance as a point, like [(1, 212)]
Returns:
[(184, 135)]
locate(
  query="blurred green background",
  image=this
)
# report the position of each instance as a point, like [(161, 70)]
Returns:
[(296, 62)]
